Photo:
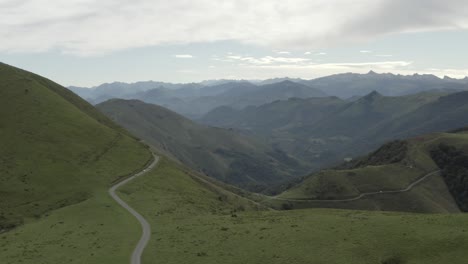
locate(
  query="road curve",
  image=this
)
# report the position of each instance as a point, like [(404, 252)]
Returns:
[(362, 195), (138, 251)]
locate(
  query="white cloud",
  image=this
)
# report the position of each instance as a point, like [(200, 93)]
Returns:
[(347, 66), (384, 55), (321, 54), (283, 52), (89, 27), (453, 73), (298, 63), (183, 56), (266, 60), (365, 51), (307, 53)]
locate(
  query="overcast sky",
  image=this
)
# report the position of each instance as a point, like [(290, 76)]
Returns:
[(88, 42)]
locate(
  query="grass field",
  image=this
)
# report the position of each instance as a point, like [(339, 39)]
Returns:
[(94, 231), (191, 224)]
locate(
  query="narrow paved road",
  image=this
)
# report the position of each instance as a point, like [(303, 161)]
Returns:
[(362, 195), (138, 251)]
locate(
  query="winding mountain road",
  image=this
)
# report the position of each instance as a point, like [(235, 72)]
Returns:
[(146, 234), (362, 195)]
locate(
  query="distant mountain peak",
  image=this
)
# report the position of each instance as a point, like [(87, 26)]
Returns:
[(288, 82), (371, 72), (373, 95)]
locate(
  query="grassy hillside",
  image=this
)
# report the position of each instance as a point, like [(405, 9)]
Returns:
[(58, 156), (193, 224), (393, 167), (223, 154)]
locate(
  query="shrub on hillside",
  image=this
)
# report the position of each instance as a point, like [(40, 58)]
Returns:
[(454, 168)]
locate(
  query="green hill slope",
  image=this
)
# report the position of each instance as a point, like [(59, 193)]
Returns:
[(56, 150), (393, 167), (193, 223), (223, 154)]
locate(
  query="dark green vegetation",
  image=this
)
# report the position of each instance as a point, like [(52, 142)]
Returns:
[(324, 131), (389, 153), (393, 167), (58, 156), (454, 165), (194, 222), (223, 154)]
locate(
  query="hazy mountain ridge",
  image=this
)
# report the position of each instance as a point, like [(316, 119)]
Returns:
[(325, 130), (196, 99), (223, 154)]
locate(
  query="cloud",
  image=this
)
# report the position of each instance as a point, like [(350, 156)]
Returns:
[(384, 55), (365, 51), (183, 56), (87, 27), (312, 69), (347, 66), (266, 60), (284, 52), (307, 53), (321, 54), (298, 63)]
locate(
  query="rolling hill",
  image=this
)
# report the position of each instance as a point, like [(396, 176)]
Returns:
[(394, 166), (223, 154)]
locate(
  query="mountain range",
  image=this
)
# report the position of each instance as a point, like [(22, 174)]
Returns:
[(196, 99)]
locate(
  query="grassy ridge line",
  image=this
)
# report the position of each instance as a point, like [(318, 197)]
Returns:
[(72, 98), (362, 195), (384, 169)]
